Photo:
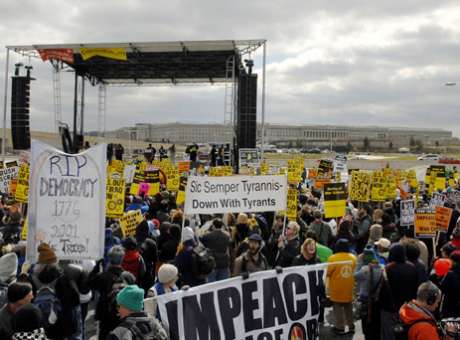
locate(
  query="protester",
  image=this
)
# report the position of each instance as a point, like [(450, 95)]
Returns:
[(450, 287), (218, 242), (322, 229), (133, 261), (307, 254), (400, 286), (418, 315), (361, 228), (28, 324), (135, 323), (167, 278), (368, 279), (288, 245), (252, 260), (322, 251), (340, 281), (383, 249), (19, 294)]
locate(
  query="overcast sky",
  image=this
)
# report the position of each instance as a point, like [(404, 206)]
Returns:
[(329, 62)]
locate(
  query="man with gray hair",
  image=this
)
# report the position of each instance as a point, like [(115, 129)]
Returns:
[(418, 315)]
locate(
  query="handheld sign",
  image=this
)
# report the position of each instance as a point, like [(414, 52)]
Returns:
[(67, 202), (213, 195)]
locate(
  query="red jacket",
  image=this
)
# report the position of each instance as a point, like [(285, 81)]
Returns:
[(133, 263), (411, 312)]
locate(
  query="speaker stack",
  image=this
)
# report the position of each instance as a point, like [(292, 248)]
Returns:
[(247, 111), (20, 109)]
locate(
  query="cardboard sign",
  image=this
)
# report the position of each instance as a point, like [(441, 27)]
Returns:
[(22, 187), (291, 210), (211, 195), (115, 196), (6, 175), (407, 208), (129, 222), (443, 216), (360, 188), (425, 223), (67, 202), (335, 200)]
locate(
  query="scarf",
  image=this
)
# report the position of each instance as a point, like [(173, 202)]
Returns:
[(38, 334)]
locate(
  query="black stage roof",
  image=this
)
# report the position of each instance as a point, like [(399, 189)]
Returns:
[(156, 62)]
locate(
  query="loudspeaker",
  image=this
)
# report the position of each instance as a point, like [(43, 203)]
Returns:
[(20, 106), (247, 111)]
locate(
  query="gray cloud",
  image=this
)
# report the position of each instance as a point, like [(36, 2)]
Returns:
[(335, 62)]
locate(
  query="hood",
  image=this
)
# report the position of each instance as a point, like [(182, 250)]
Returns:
[(397, 253), (8, 267), (411, 312)]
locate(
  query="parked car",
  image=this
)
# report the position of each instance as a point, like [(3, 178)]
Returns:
[(429, 157)]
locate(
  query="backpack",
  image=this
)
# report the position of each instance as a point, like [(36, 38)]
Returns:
[(401, 330), (203, 262), (49, 304)]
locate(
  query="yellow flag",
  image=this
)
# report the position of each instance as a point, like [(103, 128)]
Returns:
[(117, 53)]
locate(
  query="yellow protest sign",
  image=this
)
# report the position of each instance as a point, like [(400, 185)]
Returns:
[(25, 229), (115, 195), (378, 190), (227, 171), (335, 199), (360, 188), (117, 166), (293, 171), (442, 217), (425, 224), (390, 187), (412, 178), (22, 188), (264, 168), (139, 177), (129, 222), (291, 211), (153, 178), (180, 199), (117, 53), (325, 168), (172, 179)]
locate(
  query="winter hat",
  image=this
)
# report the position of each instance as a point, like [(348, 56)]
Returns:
[(27, 319), (255, 237), (369, 255), (188, 234), (342, 245), (46, 254), (18, 291), (132, 298), (375, 232), (383, 243), (116, 255), (8, 267), (167, 273), (397, 253)]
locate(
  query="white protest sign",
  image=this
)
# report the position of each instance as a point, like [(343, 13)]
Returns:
[(6, 175), (67, 202), (129, 173), (211, 195), (407, 212), (437, 200), (267, 305)]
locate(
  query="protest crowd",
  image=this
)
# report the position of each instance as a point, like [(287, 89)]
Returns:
[(389, 260)]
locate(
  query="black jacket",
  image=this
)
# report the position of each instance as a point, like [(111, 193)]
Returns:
[(450, 287), (218, 241), (288, 253)]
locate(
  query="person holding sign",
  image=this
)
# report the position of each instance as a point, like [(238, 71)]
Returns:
[(288, 245)]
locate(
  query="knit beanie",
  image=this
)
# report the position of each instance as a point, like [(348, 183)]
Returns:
[(46, 254), (188, 234), (18, 291), (27, 319), (369, 255), (132, 298), (8, 267), (375, 233), (167, 273), (116, 255)]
